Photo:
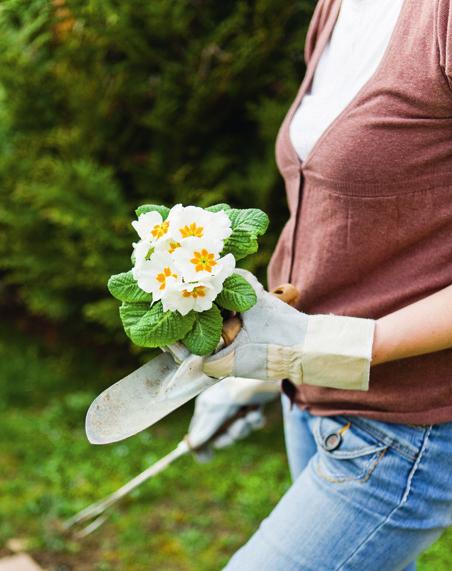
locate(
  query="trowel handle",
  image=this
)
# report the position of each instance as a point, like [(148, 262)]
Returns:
[(285, 292)]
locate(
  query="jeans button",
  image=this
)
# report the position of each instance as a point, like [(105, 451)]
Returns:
[(332, 441)]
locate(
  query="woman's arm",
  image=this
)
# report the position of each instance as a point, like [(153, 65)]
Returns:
[(419, 328)]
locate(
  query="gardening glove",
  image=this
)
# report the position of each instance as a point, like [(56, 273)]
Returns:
[(278, 342), (233, 403)]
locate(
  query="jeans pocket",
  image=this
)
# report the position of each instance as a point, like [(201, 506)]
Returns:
[(355, 457)]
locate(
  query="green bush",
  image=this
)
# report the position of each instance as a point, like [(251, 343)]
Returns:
[(106, 104)]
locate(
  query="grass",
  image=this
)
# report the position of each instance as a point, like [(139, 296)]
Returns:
[(190, 518)]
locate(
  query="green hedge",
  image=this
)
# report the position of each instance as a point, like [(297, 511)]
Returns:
[(107, 104)]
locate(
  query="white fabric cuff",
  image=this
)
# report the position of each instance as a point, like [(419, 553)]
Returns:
[(337, 352)]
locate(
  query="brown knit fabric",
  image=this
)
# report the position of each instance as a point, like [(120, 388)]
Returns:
[(370, 227)]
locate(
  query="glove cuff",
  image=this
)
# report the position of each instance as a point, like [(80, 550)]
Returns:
[(337, 352)]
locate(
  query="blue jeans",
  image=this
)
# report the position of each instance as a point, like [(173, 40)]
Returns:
[(374, 503)]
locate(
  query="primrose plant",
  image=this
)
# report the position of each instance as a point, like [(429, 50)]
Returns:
[(183, 282)]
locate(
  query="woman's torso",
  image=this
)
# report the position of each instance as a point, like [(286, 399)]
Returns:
[(370, 229), (348, 60)]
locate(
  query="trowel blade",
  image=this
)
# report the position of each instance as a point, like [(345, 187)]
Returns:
[(144, 397)]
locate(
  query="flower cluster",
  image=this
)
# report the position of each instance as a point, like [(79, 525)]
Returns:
[(178, 259), (183, 284)]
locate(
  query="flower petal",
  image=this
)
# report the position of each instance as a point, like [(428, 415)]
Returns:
[(145, 224), (141, 251), (193, 222), (173, 300), (157, 274)]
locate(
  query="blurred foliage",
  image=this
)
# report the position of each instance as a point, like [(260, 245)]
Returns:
[(192, 517), (105, 105)]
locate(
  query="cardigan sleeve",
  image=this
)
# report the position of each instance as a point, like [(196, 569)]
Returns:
[(316, 25), (444, 37)]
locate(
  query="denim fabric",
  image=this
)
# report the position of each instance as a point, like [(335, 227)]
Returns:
[(374, 504)]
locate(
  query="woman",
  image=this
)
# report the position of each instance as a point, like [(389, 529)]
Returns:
[(366, 154)]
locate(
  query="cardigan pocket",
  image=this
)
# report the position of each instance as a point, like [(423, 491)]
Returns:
[(355, 457)]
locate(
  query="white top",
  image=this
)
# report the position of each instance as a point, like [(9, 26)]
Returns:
[(351, 56)]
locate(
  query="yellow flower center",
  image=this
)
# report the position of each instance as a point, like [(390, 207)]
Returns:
[(203, 261), (163, 276), (192, 230), (160, 230), (199, 291), (173, 246)]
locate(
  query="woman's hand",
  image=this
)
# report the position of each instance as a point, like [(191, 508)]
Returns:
[(278, 342), (228, 411), (419, 328)]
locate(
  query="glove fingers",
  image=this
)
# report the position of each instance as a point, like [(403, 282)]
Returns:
[(221, 363), (206, 421), (256, 419), (223, 441), (240, 429), (204, 455)]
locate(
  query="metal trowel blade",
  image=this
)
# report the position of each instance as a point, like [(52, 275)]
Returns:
[(144, 397)]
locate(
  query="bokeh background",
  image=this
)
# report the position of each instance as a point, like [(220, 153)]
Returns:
[(104, 105)]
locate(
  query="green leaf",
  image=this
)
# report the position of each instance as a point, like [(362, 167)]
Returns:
[(131, 313), (162, 210), (157, 327), (205, 335), (237, 294), (125, 288), (247, 225), (218, 207)]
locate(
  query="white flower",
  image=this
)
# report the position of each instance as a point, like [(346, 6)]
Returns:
[(197, 260), (178, 260), (141, 252), (169, 245), (151, 227), (226, 266), (187, 297), (188, 222), (199, 295), (157, 275), (154, 234)]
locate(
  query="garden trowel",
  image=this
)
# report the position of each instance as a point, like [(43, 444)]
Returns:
[(153, 391)]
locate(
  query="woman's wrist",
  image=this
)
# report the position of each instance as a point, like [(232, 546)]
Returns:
[(378, 347), (388, 341), (416, 329)]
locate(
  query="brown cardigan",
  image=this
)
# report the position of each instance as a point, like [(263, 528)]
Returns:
[(370, 227)]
